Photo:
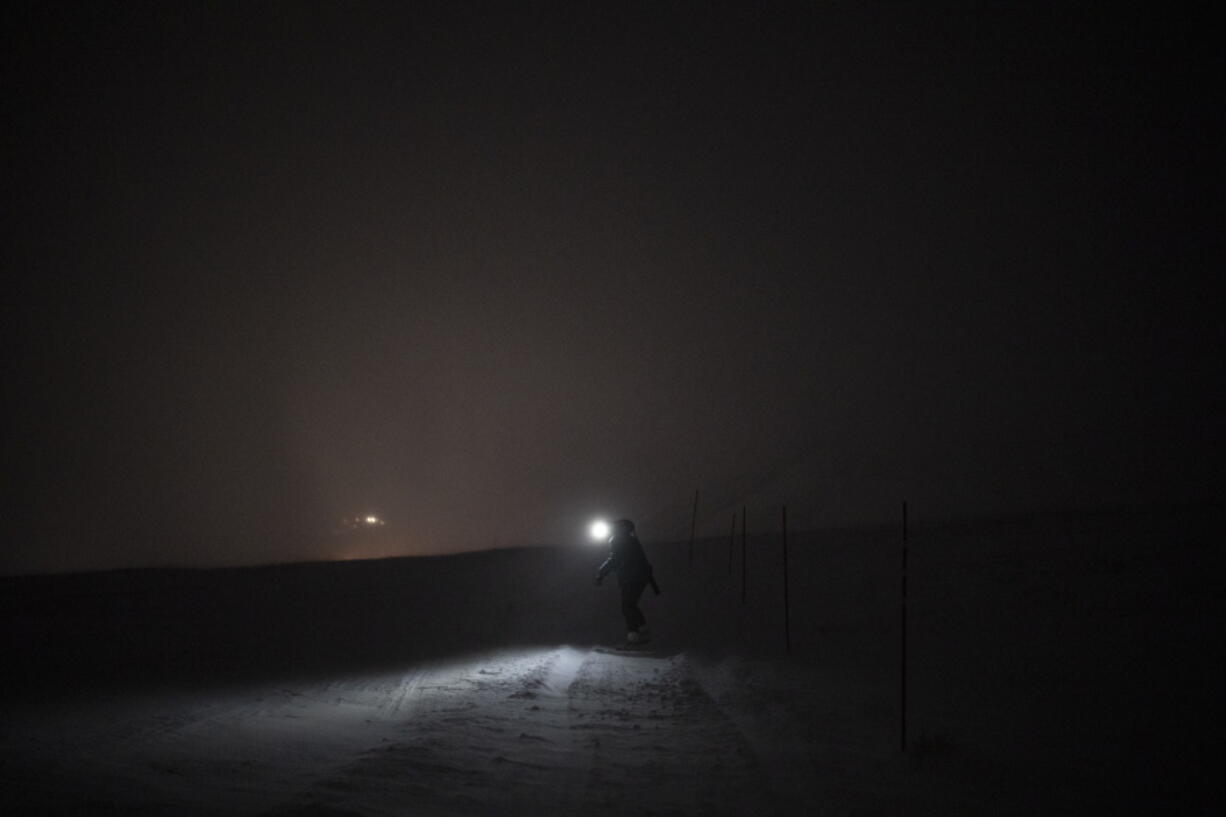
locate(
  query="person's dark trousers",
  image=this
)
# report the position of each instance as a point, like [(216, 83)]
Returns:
[(630, 605)]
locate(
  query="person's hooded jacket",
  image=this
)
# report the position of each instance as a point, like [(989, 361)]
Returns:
[(626, 558)]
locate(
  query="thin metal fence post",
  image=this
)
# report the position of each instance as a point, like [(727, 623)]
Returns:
[(787, 620), (693, 526), (743, 548), (731, 543), (902, 675)]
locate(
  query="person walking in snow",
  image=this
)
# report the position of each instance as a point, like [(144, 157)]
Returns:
[(634, 573)]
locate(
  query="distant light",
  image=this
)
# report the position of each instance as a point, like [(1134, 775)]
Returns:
[(359, 523), (600, 530)]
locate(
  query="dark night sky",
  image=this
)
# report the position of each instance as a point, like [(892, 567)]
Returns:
[(487, 272)]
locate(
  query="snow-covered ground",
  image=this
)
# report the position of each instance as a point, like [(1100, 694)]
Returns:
[(1066, 664), (542, 730)]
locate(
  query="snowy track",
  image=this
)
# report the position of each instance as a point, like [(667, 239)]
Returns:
[(560, 732), (547, 731)]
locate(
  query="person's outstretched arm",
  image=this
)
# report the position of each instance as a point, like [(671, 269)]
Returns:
[(609, 565)]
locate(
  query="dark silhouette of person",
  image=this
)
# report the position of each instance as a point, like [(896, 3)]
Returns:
[(634, 573)]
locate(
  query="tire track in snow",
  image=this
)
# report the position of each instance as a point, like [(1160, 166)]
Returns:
[(410, 683), (661, 744), (555, 733), (492, 732), (235, 750)]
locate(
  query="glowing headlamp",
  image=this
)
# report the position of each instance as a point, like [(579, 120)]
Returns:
[(599, 530)]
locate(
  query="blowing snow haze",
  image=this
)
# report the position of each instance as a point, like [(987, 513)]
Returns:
[(486, 271)]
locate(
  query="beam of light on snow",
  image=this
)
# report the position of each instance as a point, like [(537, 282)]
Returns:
[(599, 531)]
